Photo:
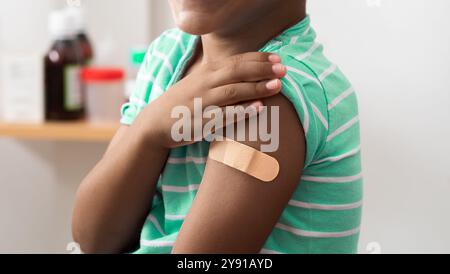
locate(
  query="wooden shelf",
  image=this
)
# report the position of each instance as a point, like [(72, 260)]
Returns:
[(64, 131)]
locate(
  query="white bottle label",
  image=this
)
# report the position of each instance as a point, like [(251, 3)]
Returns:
[(73, 97)]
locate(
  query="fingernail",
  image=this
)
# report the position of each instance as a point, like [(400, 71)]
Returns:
[(273, 85), (274, 58), (278, 68)]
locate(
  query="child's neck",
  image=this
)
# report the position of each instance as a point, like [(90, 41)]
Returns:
[(251, 37)]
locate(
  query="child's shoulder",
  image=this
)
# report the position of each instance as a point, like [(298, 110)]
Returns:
[(308, 66), (305, 60)]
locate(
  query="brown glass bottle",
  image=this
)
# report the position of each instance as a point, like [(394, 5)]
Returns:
[(64, 99), (86, 47), (63, 91)]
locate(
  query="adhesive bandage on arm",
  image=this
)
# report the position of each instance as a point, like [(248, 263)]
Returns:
[(246, 159)]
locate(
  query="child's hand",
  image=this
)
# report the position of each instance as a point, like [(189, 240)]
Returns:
[(242, 80)]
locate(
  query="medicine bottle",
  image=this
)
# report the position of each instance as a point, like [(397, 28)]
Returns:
[(64, 99), (81, 34)]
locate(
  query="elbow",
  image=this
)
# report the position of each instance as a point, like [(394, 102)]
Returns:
[(89, 240), (83, 238), (87, 230), (96, 239)]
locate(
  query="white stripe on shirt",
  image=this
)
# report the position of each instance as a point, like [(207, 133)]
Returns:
[(339, 157), (178, 40), (306, 31), (304, 74), (269, 252), (340, 98), (147, 78), (314, 234), (293, 40), (343, 128), (157, 243), (302, 101), (325, 207), (138, 101), (320, 116), (155, 222), (186, 160), (165, 59), (175, 217), (327, 72), (347, 179), (308, 53), (180, 189)]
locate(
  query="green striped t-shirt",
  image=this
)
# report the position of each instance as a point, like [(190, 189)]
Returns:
[(324, 213)]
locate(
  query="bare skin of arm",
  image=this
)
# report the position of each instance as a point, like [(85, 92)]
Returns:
[(235, 213), (108, 202)]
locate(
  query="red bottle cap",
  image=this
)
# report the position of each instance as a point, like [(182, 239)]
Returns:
[(102, 74)]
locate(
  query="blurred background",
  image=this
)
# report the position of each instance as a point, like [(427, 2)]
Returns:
[(396, 53)]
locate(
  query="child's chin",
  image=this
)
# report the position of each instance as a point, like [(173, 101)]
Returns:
[(195, 26), (194, 31)]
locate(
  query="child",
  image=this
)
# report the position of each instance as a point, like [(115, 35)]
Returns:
[(152, 194)]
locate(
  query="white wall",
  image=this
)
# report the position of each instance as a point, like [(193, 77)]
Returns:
[(395, 53), (38, 181)]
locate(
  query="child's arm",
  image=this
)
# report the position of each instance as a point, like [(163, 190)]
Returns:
[(115, 198), (235, 213)]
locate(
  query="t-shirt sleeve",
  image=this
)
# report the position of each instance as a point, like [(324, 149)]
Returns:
[(140, 95), (306, 94)]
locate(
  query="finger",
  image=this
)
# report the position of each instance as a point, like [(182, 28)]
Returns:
[(257, 57), (242, 92), (246, 57), (248, 72)]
